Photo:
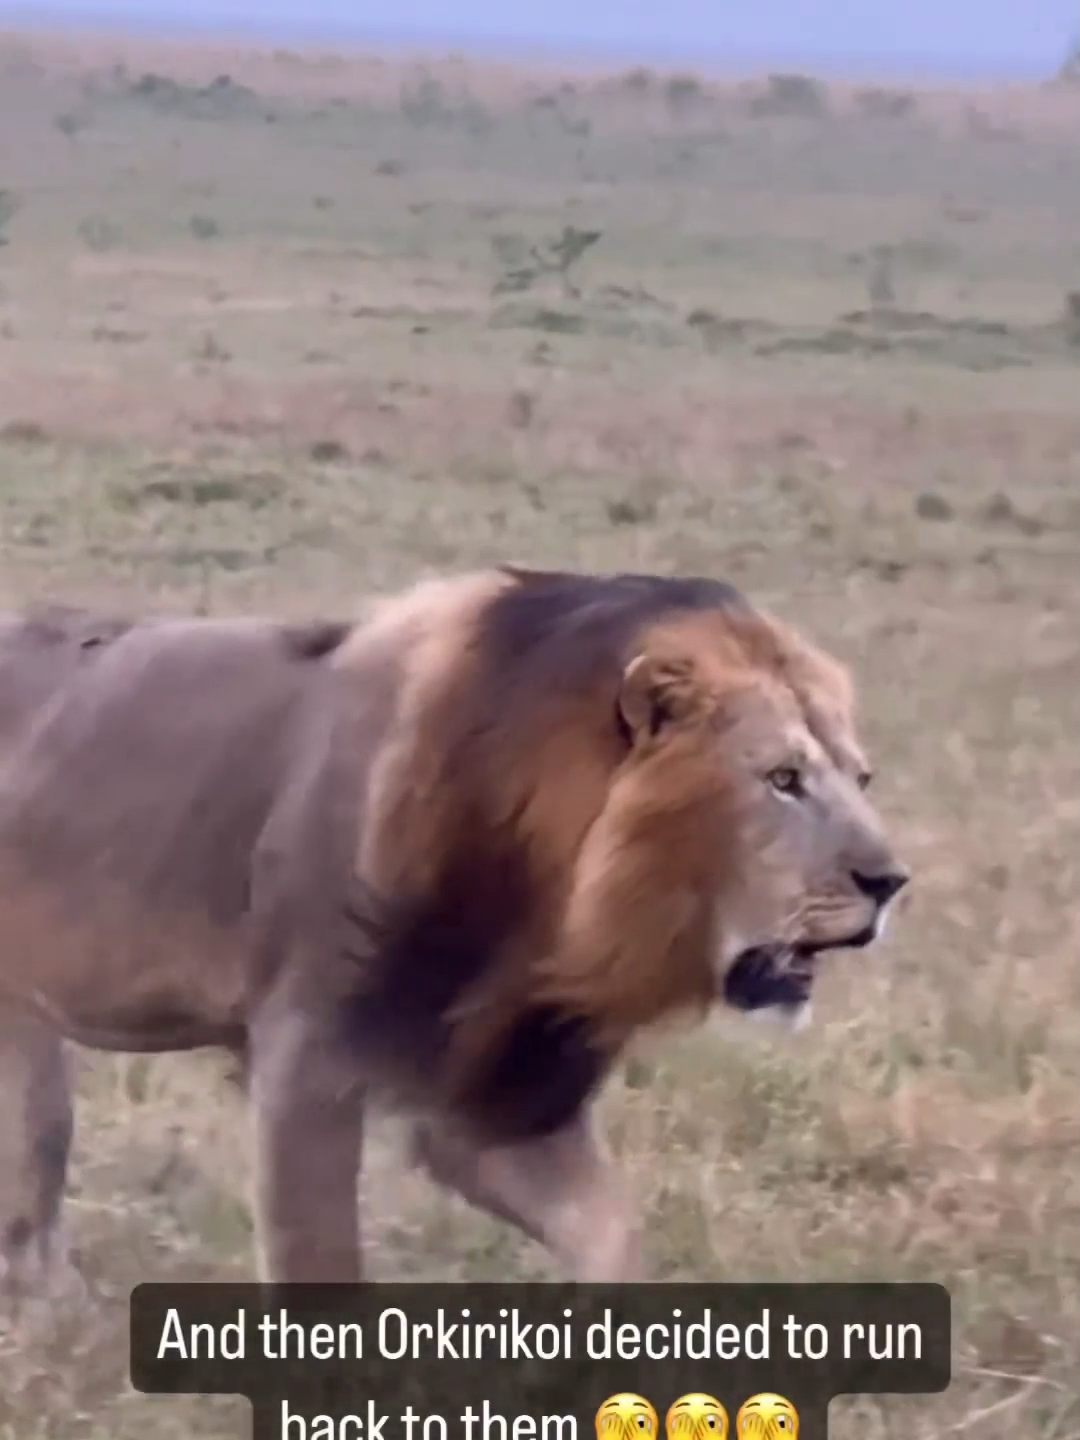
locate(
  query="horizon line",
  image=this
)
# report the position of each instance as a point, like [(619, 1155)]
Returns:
[(47, 20)]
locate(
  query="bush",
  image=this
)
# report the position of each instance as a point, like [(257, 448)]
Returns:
[(8, 206), (683, 93), (798, 95), (99, 234), (880, 104), (204, 227)]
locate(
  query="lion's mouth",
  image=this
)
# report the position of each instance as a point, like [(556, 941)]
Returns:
[(768, 975), (781, 975)]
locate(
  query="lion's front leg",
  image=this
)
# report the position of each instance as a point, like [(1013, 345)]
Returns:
[(308, 1125), (558, 1190)]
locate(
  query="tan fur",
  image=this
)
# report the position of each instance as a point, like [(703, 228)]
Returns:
[(457, 854), (432, 626)]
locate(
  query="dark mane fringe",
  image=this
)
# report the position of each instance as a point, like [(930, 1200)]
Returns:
[(315, 639)]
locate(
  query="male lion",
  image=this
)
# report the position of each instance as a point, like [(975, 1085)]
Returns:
[(452, 856)]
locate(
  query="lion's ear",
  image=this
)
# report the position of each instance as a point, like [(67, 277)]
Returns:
[(656, 692)]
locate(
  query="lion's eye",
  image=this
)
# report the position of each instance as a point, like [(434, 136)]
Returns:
[(786, 780)]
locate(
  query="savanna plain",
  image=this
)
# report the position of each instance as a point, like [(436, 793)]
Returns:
[(278, 329)]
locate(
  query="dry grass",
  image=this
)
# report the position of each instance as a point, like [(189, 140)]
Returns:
[(251, 355)]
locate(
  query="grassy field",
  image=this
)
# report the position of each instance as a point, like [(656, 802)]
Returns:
[(279, 329)]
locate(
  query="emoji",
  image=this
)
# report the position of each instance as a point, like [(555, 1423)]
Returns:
[(627, 1417), (697, 1417), (767, 1417)]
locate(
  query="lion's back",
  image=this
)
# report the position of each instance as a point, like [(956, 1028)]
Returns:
[(41, 649), (155, 766)]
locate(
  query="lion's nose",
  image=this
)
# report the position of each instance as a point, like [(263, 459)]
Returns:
[(882, 885)]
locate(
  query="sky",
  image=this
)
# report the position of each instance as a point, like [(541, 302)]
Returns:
[(949, 38)]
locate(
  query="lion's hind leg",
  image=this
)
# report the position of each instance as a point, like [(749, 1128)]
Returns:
[(36, 1123)]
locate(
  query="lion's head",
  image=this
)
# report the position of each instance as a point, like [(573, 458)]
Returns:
[(737, 839), (812, 869)]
